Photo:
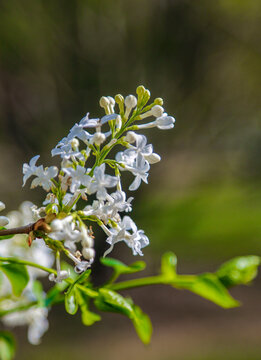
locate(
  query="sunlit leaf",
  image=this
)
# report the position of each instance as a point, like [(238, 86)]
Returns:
[(121, 268), (142, 324), (111, 301), (17, 275), (209, 287), (240, 270), (88, 317), (70, 302), (7, 345), (72, 294)]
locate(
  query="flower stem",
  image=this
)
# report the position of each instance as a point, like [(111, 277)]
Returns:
[(179, 282), (28, 263)]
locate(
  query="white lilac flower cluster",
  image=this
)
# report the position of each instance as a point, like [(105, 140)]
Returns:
[(86, 170), (38, 252)]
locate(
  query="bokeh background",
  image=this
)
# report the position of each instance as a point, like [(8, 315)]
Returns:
[(203, 200)]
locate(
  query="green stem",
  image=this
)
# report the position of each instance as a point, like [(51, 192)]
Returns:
[(128, 284), (28, 263), (179, 282)]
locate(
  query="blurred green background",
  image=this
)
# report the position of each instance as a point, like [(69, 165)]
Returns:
[(203, 200)]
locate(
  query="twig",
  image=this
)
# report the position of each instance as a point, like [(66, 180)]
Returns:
[(27, 229), (18, 230)]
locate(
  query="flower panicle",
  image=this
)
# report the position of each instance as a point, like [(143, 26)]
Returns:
[(86, 172)]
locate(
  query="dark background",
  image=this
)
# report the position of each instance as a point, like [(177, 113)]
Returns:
[(203, 200)]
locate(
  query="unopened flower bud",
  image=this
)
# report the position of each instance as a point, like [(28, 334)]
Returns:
[(130, 137), (111, 100), (104, 102), (98, 138), (75, 143), (165, 122), (158, 101), (119, 98), (64, 274), (87, 242), (140, 90), (88, 253), (146, 97), (3, 220), (130, 101), (157, 110), (2, 206), (153, 158)]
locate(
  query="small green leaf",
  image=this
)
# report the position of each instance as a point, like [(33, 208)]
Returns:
[(111, 301), (4, 237), (7, 345), (17, 275), (115, 302), (207, 286), (240, 270), (88, 317), (70, 302), (168, 265), (142, 325), (121, 268)]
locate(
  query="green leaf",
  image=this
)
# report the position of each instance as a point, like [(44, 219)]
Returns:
[(70, 302), (4, 237), (88, 317), (142, 325), (81, 278), (121, 268), (168, 265), (17, 275), (7, 345), (111, 301), (207, 286), (114, 302), (240, 270)]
